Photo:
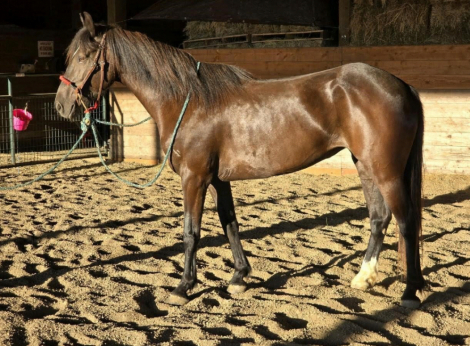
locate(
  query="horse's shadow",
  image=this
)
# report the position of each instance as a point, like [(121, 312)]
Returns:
[(377, 322), (56, 269), (331, 219), (449, 198)]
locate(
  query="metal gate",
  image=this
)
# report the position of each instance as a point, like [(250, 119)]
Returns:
[(48, 136)]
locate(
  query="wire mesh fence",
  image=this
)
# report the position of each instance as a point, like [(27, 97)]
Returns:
[(48, 136)]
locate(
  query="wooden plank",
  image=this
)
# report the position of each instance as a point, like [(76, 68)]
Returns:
[(141, 143), (266, 54), (129, 105), (118, 85), (451, 110), (450, 164), (446, 166), (288, 36), (142, 130), (437, 81), (271, 69), (348, 171), (447, 153), (457, 139), (444, 96), (424, 67), (446, 170), (448, 125), (329, 164), (407, 53)]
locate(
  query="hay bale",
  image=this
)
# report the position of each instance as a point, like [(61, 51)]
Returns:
[(288, 44), (201, 30), (197, 30), (389, 22), (450, 22), (297, 28), (396, 22), (228, 29)]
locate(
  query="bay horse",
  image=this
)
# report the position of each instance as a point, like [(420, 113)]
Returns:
[(238, 127)]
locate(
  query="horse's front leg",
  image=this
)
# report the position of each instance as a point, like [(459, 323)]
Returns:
[(194, 191)]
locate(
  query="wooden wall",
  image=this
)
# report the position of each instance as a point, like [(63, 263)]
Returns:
[(441, 73), (136, 144), (424, 67)]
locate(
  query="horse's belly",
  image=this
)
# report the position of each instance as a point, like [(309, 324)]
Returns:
[(262, 161)]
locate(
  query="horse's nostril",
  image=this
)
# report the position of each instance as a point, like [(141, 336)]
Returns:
[(58, 106)]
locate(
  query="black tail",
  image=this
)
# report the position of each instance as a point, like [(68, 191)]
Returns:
[(414, 174)]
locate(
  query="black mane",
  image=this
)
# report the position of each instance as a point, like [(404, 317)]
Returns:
[(169, 71)]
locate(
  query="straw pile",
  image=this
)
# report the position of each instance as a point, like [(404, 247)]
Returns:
[(398, 22), (450, 22), (199, 30), (385, 22)]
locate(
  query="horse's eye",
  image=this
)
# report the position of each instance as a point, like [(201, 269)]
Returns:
[(81, 59)]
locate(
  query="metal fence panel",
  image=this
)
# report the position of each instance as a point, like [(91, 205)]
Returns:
[(48, 136)]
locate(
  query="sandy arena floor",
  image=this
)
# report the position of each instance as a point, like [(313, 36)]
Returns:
[(85, 260)]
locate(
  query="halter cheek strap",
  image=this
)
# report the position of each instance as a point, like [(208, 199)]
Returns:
[(78, 89)]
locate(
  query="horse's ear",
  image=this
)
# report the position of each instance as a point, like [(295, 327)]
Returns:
[(88, 23)]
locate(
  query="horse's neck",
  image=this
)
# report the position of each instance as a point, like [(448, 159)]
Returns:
[(163, 111)]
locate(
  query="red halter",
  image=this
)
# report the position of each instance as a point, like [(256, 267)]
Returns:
[(78, 89)]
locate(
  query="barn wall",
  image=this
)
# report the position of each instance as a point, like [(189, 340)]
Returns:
[(136, 144), (441, 73), (20, 46)]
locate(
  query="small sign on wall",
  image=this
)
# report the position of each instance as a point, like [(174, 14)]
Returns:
[(45, 49)]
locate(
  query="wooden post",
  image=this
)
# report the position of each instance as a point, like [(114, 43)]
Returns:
[(117, 12), (12, 130), (344, 20)]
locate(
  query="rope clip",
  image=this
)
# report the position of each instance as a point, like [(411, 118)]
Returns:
[(86, 122)]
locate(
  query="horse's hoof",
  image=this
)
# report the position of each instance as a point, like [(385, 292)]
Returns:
[(411, 303), (365, 279), (360, 285), (235, 289), (174, 299)]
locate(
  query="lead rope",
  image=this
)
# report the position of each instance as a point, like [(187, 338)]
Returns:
[(87, 122)]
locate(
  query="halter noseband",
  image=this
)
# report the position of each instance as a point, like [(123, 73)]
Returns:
[(78, 89)]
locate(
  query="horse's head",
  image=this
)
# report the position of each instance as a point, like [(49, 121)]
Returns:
[(88, 69)]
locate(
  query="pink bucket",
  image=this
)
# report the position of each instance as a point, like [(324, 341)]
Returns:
[(21, 119)]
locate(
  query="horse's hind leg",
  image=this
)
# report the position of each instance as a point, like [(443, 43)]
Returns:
[(398, 199), (222, 194), (380, 216)]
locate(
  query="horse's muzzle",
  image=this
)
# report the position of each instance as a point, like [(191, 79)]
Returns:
[(59, 107)]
